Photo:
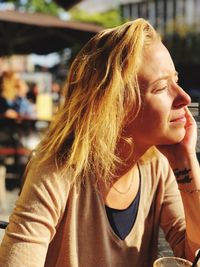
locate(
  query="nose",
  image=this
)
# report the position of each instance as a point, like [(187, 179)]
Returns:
[(181, 99)]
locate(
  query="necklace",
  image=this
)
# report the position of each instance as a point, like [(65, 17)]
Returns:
[(124, 192)]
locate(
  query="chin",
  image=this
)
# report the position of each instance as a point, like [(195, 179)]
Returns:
[(176, 138), (180, 135), (173, 138)]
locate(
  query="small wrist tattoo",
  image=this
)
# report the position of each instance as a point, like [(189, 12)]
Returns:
[(183, 176)]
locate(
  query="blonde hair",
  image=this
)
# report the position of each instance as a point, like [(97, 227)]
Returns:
[(100, 91), (8, 85)]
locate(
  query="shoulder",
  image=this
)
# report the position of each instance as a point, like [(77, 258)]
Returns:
[(160, 162), (158, 174), (156, 165), (155, 159), (46, 176)]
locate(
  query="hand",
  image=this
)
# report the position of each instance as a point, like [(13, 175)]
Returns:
[(11, 114), (187, 146), (190, 139)]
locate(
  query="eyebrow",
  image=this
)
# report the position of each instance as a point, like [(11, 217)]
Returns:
[(164, 77)]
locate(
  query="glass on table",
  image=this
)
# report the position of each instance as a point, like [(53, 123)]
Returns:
[(171, 262), (197, 258)]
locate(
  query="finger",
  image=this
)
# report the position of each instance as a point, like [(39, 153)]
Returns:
[(188, 115)]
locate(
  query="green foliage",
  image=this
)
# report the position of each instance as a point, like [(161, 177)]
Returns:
[(107, 19), (41, 6)]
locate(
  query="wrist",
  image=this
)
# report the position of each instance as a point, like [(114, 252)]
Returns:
[(187, 174), (182, 160)]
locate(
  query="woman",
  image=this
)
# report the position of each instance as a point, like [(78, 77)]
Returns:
[(8, 83), (98, 188)]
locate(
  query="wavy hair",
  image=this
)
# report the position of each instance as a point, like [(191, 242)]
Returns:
[(101, 89)]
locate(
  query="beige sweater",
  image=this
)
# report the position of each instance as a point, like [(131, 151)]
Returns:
[(55, 226)]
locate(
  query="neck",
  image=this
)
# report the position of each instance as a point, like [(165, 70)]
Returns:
[(129, 155)]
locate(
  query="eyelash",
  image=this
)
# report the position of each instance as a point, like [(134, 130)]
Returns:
[(161, 89), (164, 88)]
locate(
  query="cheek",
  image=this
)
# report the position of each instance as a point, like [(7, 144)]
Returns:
[(155, 114), (152, 119)]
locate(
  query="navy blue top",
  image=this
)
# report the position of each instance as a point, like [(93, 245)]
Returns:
[(122, 221), (3, 105)]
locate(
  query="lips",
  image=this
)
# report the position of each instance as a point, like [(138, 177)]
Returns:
[(180, 118)]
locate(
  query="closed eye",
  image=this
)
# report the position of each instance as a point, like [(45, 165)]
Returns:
[(159, 90)]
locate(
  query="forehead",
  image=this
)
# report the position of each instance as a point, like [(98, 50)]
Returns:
[(156, 62)]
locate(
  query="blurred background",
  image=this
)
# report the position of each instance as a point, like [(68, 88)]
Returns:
[(38, 41)]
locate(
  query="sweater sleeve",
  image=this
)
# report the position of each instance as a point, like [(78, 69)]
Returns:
[(35, 218), (172, 218)]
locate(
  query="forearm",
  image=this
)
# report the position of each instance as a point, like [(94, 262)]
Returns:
[(18, 253), (187, 172)]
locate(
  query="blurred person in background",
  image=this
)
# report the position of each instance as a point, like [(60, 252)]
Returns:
[(21, 103), (33, 92), (8, 85), (8, 90), (118, 162), (13, 96)]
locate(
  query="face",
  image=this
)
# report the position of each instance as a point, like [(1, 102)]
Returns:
[(161, 119)]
